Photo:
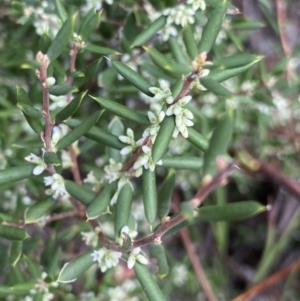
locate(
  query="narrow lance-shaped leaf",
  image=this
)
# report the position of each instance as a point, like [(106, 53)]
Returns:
[(163, 138), (197, 139), (174, 69), (62, 38), (220, 75), (79, 192), (38, 210), (121, 110), (218, 145), (133, 77), (190, 42), (89, 24), (214, 87), (144, 36), (101, 202), (58, 90), (165, 194), (75, 268), (181, 162), (70, 109), (30, 110), (212, 27), (51, 158), (60, 10), (148, 283), (116, 128), (157, 251), (123, 207), (149, 195), (177, 52), (79, 131), (100, 49), (32, 267), (234, 61), (15, 252), (227, 212), (13, 233), (44, 42), (17, 173), (18, 289), (23, 98), (99, 135)]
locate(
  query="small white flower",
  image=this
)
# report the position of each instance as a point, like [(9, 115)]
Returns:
[(180, 274), (66, 160), (91, 238), (58, 132), (125, 230), (58, 102), (129, 139), (50, 81), (162, 94), (168, 31), (197, 4), (153, 129), (135, 255), (41, 165), (112, 171), (179, 15), (121, 183), (57, 189), (146, 159), (106, 258), (91, 179)]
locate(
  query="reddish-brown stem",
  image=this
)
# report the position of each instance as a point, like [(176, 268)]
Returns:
[(270, 281), (189, 246)]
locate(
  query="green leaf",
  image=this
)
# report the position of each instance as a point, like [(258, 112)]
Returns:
[(19, 289), (15, 252), (212, 27), (133, 77), (236, 60), (13, 233), (38, 210), (90, 72), (177, 52), (165, 194), (79, 130), (99, 205), (197, 139), (30, 111), (98, 135), (60, 10), (17, 173), (229, 212), (149, 195), (182, 162), (70, 109), (44, 42), (144, 36), (219, 75), (123, 207), (190, 42), (61, 40), (51, 158), (218, 144), (187, 210), (157, 251), (163, 138), (174, 69), (58, 90), (116, 128), (75, 268), (90, 22), (216, 88), (100, 50), (121, 110), (79, 192), (148, 283)]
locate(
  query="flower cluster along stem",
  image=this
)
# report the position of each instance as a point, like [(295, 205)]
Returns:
[(199, 197), (128, 165)]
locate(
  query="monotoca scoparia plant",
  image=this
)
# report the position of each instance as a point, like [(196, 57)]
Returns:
[(120, 136)]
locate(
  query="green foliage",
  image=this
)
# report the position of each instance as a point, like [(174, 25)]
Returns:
[(190, 118)]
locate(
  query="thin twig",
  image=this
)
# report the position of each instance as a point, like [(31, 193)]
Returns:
[(189, 246), (272, 280)]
